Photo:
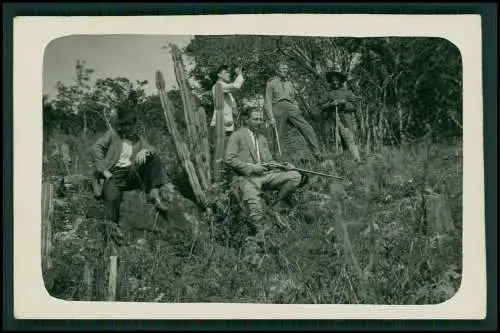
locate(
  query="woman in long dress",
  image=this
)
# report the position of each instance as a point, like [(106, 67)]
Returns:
[(225, 112)]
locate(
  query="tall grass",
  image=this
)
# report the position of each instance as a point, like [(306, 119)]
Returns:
[(395, 238)]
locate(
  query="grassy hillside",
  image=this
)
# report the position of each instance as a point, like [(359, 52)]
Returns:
[(395, 238)]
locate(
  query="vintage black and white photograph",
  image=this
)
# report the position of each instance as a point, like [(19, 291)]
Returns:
[(252, 169), (195, 170)]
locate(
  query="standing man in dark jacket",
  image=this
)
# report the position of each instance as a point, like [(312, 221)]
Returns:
[(127, 162), (342, 101)]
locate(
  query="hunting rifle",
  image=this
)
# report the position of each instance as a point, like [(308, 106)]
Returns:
[(281, 166)]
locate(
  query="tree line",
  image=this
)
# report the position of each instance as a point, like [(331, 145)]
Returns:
[(408, 87)]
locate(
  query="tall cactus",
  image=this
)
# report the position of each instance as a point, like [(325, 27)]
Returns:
[(194, 122), (182, 149)]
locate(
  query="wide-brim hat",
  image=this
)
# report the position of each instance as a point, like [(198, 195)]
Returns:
[(334, 74), (214, 75)]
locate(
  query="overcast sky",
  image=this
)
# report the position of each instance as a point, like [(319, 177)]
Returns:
[(136, 57)]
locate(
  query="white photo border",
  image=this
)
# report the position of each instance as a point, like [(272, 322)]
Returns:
[(33, 34)]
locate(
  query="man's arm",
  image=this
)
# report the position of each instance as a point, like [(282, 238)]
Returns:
[(99, 150), (236, 84), (326, 100), (232, 160), (351, 103)]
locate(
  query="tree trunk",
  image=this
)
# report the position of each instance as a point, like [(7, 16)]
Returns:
[(108, 123), (84, 124), (355, 61)]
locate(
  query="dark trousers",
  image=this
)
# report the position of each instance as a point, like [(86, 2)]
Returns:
[(286, 112), (143, 177)]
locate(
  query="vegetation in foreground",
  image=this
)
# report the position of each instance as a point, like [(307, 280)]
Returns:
[(396, 239)]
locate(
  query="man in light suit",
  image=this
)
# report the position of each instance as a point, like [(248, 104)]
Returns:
[(246, 151)]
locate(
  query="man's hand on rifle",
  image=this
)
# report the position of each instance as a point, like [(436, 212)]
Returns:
[(288, 166), (285, 166), (271, 121)]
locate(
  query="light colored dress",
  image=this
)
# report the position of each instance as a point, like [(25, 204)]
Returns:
[(225, 102)]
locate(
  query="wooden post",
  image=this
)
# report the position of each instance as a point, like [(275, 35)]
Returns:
[(66, 157), (113, 259), (180, 146), (87, 279), (76, 166), (47, 209)]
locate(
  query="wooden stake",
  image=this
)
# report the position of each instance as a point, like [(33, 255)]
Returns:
[(75, 169), (47, 209), (87, 279), (112, 278)]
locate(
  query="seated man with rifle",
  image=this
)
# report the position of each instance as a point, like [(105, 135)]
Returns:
[(246, 152), (249, 157)]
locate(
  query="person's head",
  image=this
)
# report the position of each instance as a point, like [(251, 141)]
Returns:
[(282, 69), (335, 79), (254, 118), (224, 73), (126, 126)]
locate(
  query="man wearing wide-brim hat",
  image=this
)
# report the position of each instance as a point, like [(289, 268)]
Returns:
[(126, 161), (341, 100), (223, 99)]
